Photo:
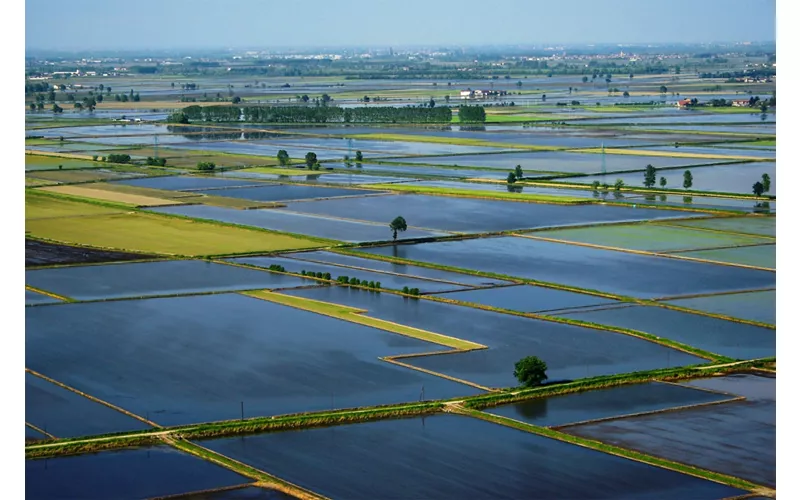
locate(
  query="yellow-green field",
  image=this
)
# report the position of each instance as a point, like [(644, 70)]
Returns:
[(356, 316), (702, 156), (474, 193), (74, 222), (106, 195)]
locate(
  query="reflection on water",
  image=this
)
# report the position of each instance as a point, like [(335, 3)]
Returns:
[(687, 200)]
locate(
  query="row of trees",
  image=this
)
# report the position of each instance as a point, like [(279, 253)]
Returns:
[(324, 114), (471, 114)]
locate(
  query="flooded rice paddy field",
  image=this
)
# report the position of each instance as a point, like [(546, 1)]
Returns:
[(756, 306), (154, 278), (284, 192), (567, 162), (311, 225), (391, 267), (196, 359), (710, 118), (526, 298), (759, 256), (414, 170), (470, 215), (387, 280), (126, 474), (605, 403), (651, 237), (448, 456), (610, 271), (764, 226), (733, 438), (698, 202), (718, 150), (735, 340), (64, 414), (337, 178), (32, 297), (503, 187), (384, 148), (734, 178), (571, 351)]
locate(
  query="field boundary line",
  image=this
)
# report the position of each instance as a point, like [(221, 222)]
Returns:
[(361, 221), (243, 469), (49, 294), (712, 294), (393, 361), (359, 318), (644, 252), (93, 398), (724, 317), (634, 455), (189, 494), (645, 413), (714, 230), (40, 431), (746, 245), (705, 389)]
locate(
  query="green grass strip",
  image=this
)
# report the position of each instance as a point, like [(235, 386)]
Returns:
[(500, 195), (354, 315)]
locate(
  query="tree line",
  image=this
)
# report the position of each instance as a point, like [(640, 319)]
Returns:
[(322, 114)]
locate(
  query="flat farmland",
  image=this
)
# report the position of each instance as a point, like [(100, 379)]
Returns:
[(570, 351), (391, 267), (735, 178), (311, 225), (449, 456), (756, 306), (101, 194), (195, 359), (591, 268), (98, 226), (281, 192), (760, 256), (36, 162), (764, 226), (650, 237), (128, 474), (605, 403), (382, 148), (733, 438), (420, 170), (469, 215), (735, 340), (525, 298), (389, 281), (141, 279), (548, 161), (185, 183), (64, 413)]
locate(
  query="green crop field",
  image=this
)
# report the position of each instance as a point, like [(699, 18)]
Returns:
[(649, 237), (106, 227)]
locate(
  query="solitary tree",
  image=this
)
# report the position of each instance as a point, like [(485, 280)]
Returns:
[(663, 181), (619, 184), (585, 79), (650, 176), (311, 159), (283, 157), (687, 180), (512, 178), (595, 185), (766, 182), (530, 371), (663, 89), (758, 189), (359, 156), (398, 224), (519, 174)]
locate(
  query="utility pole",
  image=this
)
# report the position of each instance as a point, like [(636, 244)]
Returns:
[(155, 146), (242, 410)]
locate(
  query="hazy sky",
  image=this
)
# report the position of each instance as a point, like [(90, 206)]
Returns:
[(166, 24)]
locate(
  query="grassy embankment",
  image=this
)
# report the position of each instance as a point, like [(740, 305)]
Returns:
[(88, 444), (675, 154), (113, 226), (474, 193)]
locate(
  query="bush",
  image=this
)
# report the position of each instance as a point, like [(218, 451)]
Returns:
[(206, 165), (377, 284), (327, 276), (115, 158), (405, 289)]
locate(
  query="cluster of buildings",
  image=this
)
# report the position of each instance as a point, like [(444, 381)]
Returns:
[(481, 94)]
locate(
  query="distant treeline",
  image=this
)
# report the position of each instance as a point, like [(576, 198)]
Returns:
[(317, 114)]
